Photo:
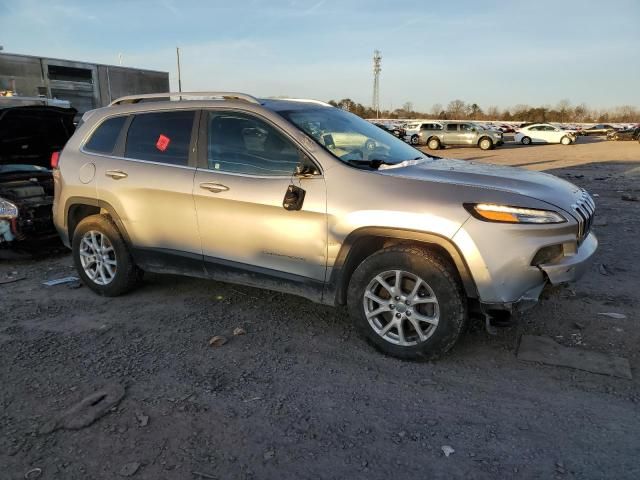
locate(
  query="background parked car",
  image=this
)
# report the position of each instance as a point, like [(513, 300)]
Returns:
[(413, 130), (627, 134), (600, 129), (545, 133), (392, 129), (28, 137), (460, 134)]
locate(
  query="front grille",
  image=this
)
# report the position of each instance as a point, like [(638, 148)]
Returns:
[(585, 209)]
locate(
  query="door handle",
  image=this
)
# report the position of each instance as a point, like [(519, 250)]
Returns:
[(214, 187), (116, 174)]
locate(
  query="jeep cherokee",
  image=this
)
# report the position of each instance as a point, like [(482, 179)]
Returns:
[(274, 193)]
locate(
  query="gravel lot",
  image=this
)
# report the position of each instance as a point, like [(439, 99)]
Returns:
[(300, 395)]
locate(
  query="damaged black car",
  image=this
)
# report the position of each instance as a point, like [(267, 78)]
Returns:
[(30, 136)]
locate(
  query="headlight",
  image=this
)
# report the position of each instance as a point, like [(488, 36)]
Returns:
[(506, 214), (8, 210)]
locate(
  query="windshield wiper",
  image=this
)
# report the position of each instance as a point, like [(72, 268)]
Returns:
[(375, 164)]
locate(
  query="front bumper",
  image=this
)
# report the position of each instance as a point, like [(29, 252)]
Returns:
[(500, 258), (571, 268)]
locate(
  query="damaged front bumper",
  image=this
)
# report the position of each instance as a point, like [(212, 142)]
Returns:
[(566, 270), (25, 211), (571, 268)]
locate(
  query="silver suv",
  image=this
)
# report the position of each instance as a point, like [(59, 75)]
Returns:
[(303, 198), (460, 134)]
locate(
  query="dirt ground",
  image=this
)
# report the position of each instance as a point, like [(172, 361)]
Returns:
[(301, 395)]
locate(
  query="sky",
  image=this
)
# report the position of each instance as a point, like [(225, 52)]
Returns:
[(492, 53)]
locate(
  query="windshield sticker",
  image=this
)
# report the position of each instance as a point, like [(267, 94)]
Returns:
[(163, 142)]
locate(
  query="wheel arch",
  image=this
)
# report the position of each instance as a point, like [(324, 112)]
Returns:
[(365, 241), (78, 208)]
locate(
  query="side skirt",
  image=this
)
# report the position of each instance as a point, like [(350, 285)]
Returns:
[(193, 265)]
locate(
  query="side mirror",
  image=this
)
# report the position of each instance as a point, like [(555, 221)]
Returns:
[(306, 168)]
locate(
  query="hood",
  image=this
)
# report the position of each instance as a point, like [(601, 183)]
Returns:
[(538, 185), (29, 134)]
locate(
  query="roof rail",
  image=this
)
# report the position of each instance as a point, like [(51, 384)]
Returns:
[(186, 96), (306, 100)]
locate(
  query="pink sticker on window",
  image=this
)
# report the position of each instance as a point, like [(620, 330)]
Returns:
[(163, 142)]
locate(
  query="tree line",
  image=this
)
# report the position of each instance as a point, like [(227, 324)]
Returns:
[(562, 112)]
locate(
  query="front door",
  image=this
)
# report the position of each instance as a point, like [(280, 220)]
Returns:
[(467, 134), (246, 167)]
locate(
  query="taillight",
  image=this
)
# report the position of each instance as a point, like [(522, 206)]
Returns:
[(55, 159)]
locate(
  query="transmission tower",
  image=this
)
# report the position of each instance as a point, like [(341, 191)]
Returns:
[(377, 60)]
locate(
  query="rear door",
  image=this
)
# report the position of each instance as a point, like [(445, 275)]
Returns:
[(246, 168), (537, 134), (148, 180)]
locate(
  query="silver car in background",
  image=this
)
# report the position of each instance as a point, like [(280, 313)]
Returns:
[(460, 134), (303, 198)]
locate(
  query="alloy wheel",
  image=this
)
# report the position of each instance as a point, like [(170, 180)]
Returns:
[(401, 307), (98, 257)]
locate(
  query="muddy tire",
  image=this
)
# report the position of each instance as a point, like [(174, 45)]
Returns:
[(102, 259), (408, 303)]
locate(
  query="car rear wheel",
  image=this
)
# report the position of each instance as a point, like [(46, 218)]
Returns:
[(415, 139), (102, 259), (485, 144), (565, 140), (433, 144), (525, 141), (407, 302)]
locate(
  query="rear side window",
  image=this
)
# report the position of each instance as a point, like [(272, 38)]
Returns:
[(162, 137), (106, 135), (452, 127)]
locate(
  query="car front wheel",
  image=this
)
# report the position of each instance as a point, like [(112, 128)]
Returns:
[(525, 141), (433, 144), (407, 302), (415, 139), (565, 140), (101, 257)]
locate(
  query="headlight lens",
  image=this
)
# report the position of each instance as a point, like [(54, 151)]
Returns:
[(8, 210), (506, 214)]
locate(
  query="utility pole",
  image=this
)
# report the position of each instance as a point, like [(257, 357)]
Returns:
[(179, 77), (377, 60)]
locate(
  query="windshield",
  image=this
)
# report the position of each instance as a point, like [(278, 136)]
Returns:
[(350, 138)]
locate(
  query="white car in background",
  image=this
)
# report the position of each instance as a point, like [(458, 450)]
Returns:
[(544, 133)]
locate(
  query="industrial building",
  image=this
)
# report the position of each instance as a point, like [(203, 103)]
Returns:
[(84, 85)]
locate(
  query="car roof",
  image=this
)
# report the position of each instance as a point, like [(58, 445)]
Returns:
[(196, 100)]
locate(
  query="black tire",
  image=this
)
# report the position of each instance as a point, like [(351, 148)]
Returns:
[(485, 143), (525, 141), (434, 144), (565, 140), (127, 275), (443, 281), (415, 140)]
